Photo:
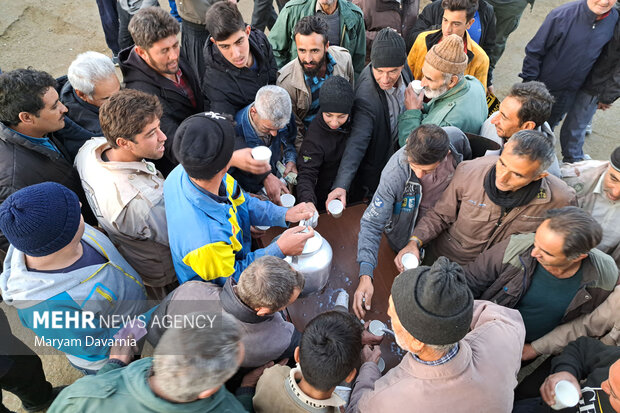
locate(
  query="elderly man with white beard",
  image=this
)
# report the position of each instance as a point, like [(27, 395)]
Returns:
[(456, 99), (462, 355)]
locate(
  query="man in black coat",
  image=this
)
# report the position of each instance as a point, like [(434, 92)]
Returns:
[(238, 60), (379, 100), (154, 66), (30, 112)]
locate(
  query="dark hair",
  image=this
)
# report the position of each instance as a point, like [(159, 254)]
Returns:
[(330, 349), (581, 232), (22, 90), (312, 24), (126, 113), (269, 282), (223, 20), (150, 25), (470, 7), (427, 144), (536, 101), (535, 145)]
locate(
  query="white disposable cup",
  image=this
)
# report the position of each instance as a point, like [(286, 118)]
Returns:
[(261, 153), (344, 392), (377, 327), (409, 261), (287, 200), (416, 85), (381, 365), (335, 208), (566, 395)]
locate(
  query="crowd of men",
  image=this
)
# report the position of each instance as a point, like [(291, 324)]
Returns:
[(141, 199)]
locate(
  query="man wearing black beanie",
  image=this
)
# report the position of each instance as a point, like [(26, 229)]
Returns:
[(462, 356), (597, 185), (379, 100), (209, 216)]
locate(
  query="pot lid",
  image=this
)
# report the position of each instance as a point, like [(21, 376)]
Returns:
[(313, 244)]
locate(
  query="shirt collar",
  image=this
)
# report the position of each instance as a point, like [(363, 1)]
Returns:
[(333, 401), (446, 358)]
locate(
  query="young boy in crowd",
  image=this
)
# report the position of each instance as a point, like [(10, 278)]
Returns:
[(324, 143), (328, 354)]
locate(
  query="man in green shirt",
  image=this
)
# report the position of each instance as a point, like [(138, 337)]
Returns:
[(552, 276)]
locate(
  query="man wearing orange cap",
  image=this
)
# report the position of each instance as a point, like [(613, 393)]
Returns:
[(456, 99)]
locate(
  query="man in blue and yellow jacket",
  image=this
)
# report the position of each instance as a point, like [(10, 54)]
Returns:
[(209, 216)]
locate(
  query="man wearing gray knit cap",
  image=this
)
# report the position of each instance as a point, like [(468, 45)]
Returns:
[(456, 99), (462, 355)]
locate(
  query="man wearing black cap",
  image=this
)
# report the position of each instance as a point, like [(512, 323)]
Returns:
[(379, 100), (208, 214), (462, 356), (597, 184)]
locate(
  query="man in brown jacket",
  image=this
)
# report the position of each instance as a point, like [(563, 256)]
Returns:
[(552, 276), (462, 355), (491, 198)]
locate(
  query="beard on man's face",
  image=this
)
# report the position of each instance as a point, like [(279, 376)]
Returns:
[(312, 68)]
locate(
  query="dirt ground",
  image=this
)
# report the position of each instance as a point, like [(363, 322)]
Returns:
[(47, 35)]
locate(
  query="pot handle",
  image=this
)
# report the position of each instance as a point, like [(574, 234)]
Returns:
[(294, 259)]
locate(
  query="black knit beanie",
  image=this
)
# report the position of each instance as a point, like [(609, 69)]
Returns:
[(336, 95), (615, 159), (388, 49), (434, 303), (204, 144)]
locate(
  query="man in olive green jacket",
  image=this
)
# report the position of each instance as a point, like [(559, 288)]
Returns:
[(351, 34), (456, 99), (186, 374)]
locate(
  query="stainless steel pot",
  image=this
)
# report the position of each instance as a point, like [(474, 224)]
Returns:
[(314, 263)]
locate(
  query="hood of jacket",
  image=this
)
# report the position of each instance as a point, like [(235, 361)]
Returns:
[(23, 288)]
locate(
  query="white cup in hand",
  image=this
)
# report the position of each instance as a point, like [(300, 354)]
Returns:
[(566, 395), (261, 153)]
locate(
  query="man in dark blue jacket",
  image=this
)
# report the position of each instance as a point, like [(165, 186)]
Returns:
[(564, 50)]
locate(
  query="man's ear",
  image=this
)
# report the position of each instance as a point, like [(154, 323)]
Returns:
[(26, 117), (454, 79), (296, 354), (81, 94), (263, 311), (122, 143), (469, 23), (248, 29), (541, 175), (351, 376), (141, 52), (528, 125), (208, 393)]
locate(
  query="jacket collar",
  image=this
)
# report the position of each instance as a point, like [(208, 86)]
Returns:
[(298, 80), (234, 306), (201, 201), (10, 136), (298, 395), (136, 376), (143, 167), (449, 370)]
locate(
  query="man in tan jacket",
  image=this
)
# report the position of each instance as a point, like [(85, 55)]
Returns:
[(491, 198), (462, 355), (303, 77), (125, 191)]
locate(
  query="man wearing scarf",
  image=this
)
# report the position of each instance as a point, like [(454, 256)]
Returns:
[(491, 198)]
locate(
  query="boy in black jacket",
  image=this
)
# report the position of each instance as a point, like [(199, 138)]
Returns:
[(324, 143)]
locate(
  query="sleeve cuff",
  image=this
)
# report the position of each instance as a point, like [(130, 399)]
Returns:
[(366, 269), (281, 221), (274, 250)]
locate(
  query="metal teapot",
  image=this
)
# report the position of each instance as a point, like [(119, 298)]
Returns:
[(314, 263)]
